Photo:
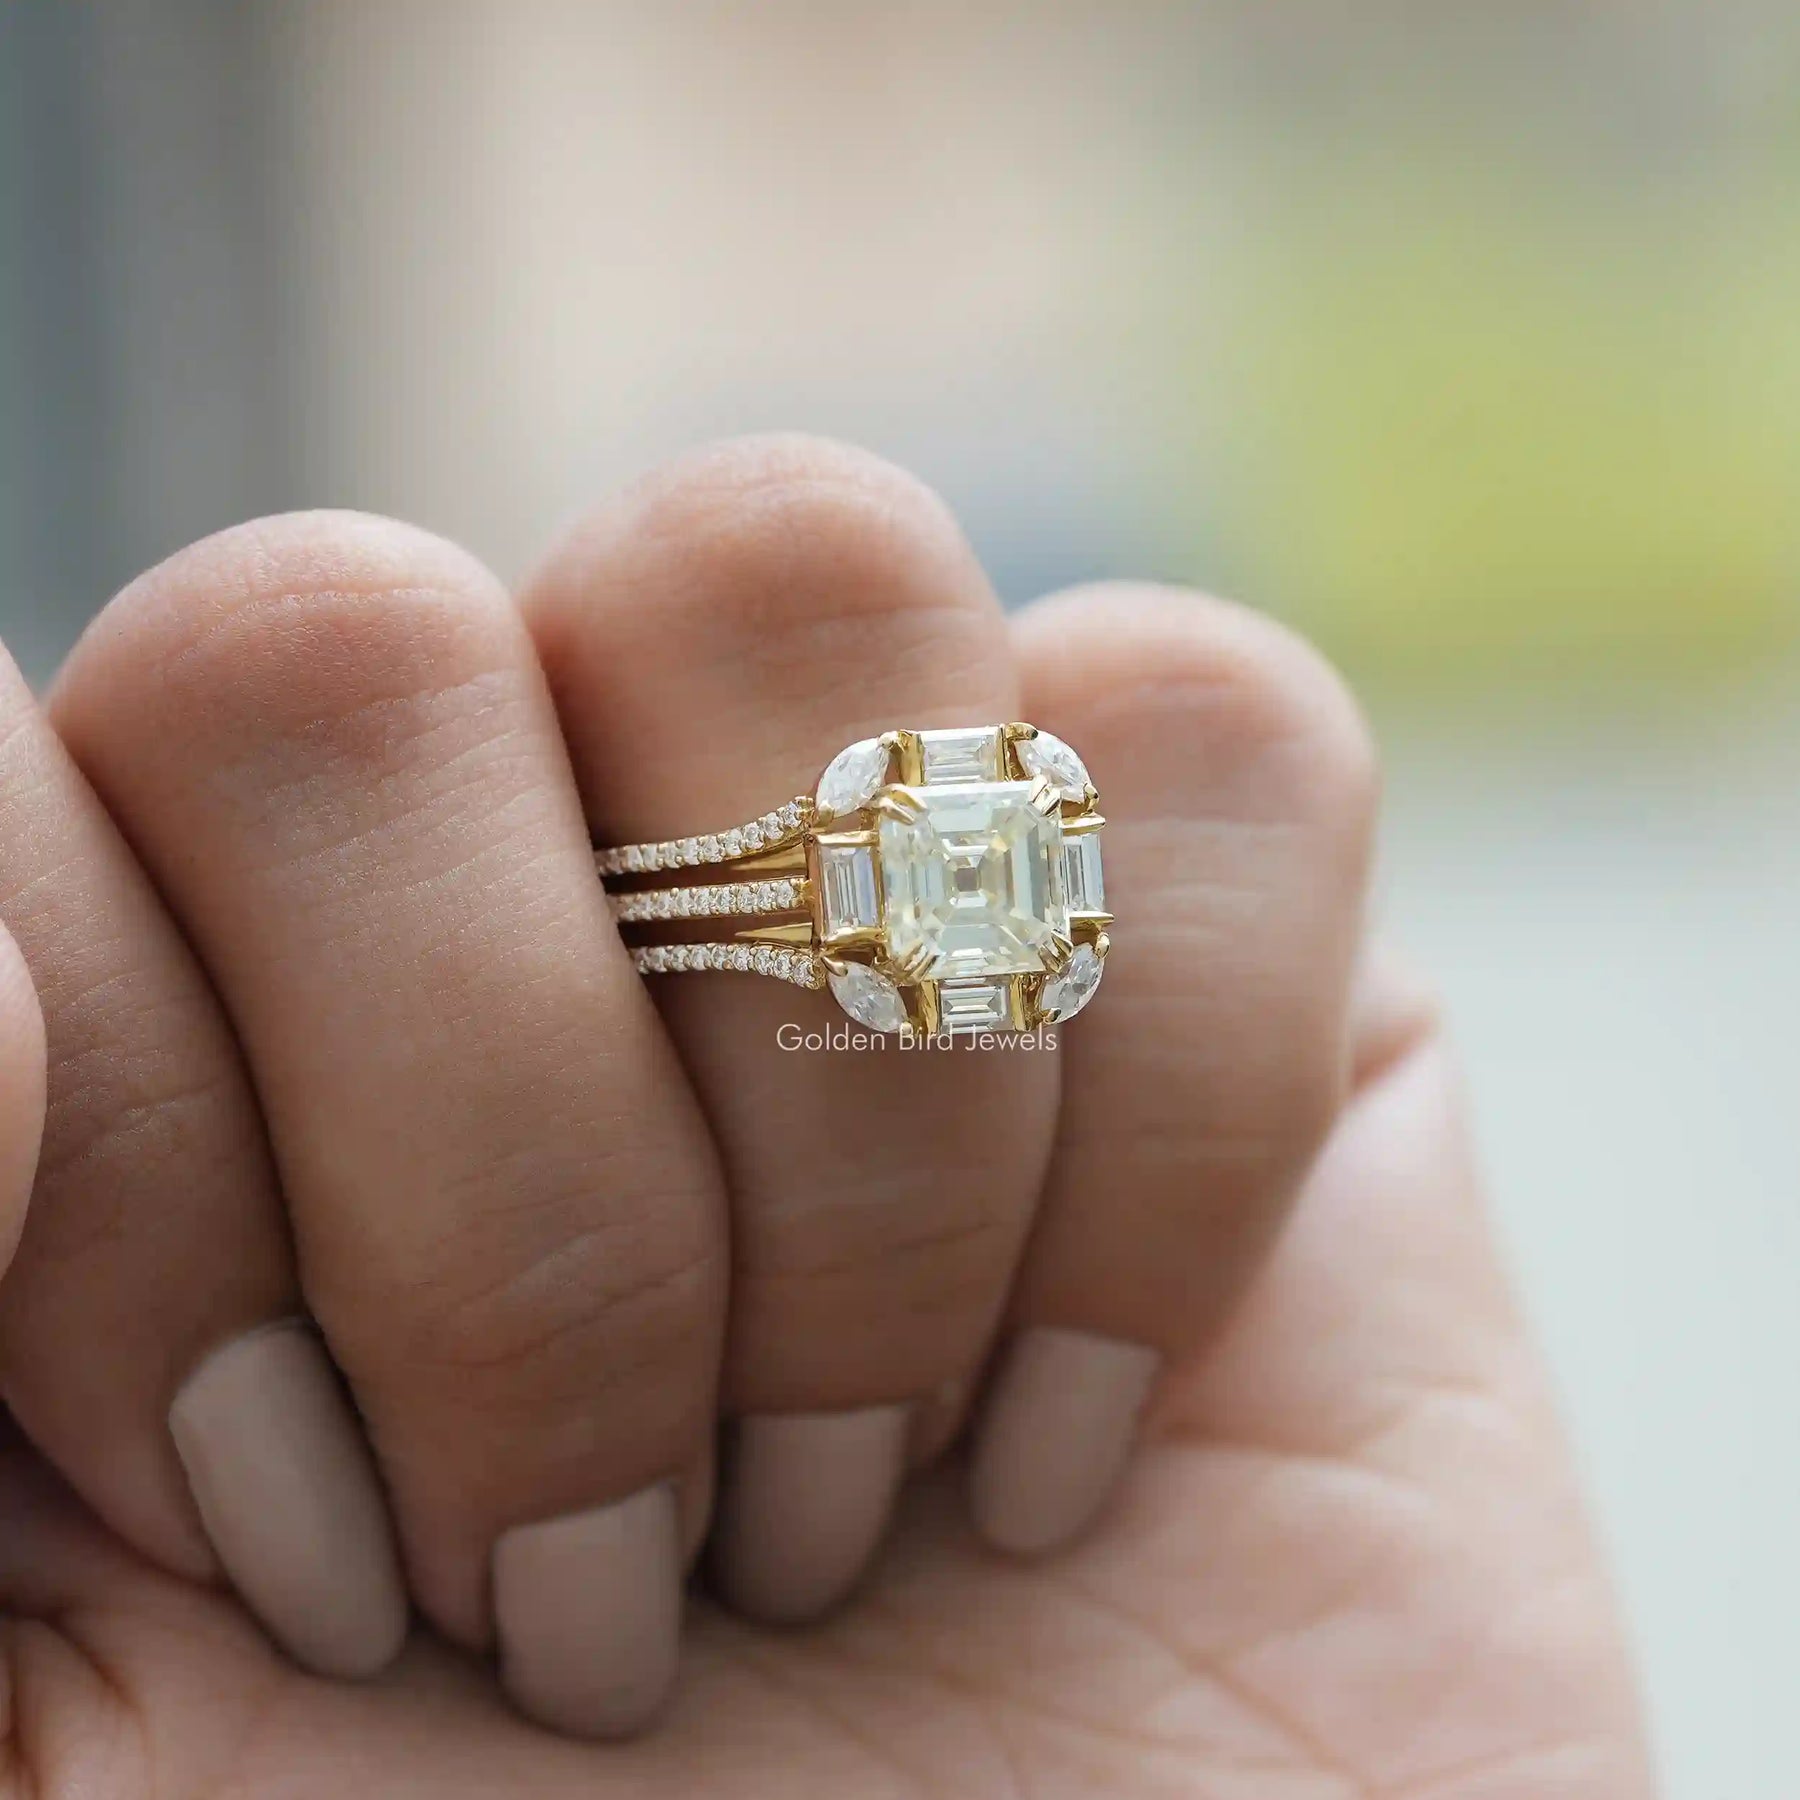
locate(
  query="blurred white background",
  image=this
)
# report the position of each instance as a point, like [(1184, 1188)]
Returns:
[(1467, 337)]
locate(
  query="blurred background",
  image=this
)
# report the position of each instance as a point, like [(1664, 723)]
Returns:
[(1466, 337)]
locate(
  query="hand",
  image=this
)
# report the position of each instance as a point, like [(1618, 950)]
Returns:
[(348, 1035)]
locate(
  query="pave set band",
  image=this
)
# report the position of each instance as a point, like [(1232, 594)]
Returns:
[(938, 882)]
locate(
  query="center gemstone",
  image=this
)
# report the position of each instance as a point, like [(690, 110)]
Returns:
[(975, 881)]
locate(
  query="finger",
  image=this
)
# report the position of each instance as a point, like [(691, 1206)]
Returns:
[(714, 639), (1351, 1547), (1239, 784), (156, 1239), (330, 738), (22, 1083), (1375, 1451)]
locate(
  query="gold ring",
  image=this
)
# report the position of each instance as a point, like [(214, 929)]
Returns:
[(938, 882)]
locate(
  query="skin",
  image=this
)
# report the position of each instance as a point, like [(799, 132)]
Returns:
[(1348, 1558)]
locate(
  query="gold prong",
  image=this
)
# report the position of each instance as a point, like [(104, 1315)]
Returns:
[(909, 752), (1056, 955), (898, 803), (1103, 943), (1011, 737), (864, 942), (1031, 1001), (1044, 798), (848, 840), (1019, 1003), (851, 950), (1082, 822), (923, 1008), (1088, 928), (911, 967)]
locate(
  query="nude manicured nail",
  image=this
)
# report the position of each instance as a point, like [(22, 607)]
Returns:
[(289, 1496), (1060, 1423), (805, 1503), (589, 1613)]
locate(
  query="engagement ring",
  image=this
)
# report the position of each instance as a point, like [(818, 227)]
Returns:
[(936, 881)]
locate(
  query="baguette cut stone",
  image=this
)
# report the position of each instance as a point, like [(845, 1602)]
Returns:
[(974, 1006), (973, 884), (847, 881), (960, 756), (1084, 886)]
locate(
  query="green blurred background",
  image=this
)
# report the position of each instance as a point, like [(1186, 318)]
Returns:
[(1466, 337)]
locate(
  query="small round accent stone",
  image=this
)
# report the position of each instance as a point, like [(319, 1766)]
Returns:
[(869, 997), (1066, 994), (853, 777), (1050, 757)]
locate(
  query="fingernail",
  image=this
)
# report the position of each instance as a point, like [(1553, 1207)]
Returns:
[(805, 1503), (589, 1613), (1060, 1423), (289, 1496)]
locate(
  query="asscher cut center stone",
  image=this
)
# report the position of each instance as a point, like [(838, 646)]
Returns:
[(973, 883)]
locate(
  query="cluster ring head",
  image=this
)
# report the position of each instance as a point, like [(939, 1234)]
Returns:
[(957, 882)]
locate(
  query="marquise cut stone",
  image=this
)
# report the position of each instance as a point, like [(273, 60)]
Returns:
[(1070, 991), (869, 997), (853, 777), (1048, 756)]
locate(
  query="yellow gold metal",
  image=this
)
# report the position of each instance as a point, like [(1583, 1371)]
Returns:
[(912, 966), (898, 803), (861, 943), (909, 753), (1088, 928), (1011, 737), (922, 1007), (799, 932), (790, 859), (1019, 1004)]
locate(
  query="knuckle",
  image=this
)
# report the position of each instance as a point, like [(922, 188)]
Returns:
[(590, 1323), (292, 626), (1260, 707), (761, 539)]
